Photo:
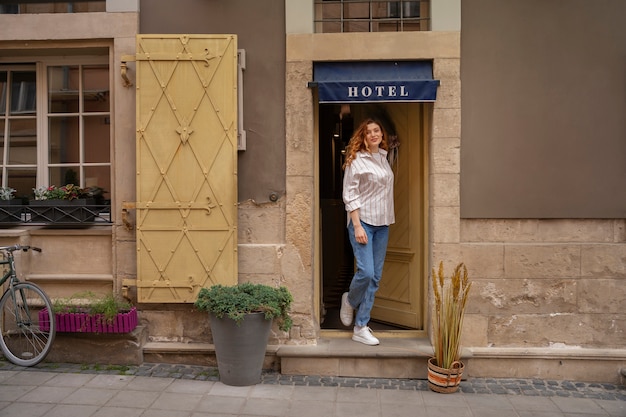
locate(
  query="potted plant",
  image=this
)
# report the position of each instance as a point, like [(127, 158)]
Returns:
[(241, 317), (10, 208), (445, 369), (89, 313), (62, 204)]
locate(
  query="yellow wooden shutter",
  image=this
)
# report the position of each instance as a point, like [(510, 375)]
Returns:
[(186, 165)]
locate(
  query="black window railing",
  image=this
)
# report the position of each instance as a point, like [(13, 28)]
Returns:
[(46, 213)]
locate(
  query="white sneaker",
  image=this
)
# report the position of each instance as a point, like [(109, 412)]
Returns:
[(346, 313), (364, 335)]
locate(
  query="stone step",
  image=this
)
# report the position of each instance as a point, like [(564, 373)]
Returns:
[(394, 358), (202, 354)]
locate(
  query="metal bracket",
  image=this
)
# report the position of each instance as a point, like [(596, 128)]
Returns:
[(124, 70), (126, 206)]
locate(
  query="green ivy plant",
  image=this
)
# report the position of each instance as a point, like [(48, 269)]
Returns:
[(236, 301)]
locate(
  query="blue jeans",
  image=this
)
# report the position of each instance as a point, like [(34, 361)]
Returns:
[(370, 258)]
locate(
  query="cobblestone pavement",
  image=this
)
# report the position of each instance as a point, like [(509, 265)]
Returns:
[(512, 386)]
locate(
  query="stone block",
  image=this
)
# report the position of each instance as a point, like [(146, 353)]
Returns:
[(558, 329), (603, 260), (445, 156), (180, 324), (602, 296), (555, 369), (309, 366), (126, 258), (449, 94), (574, 230), (483, 260), (299, 231), (510, 297), (300, 162), (383, 368), (619, 230), (258, 258), (162, 325), (447, 69), (195, 325), (109, 349), (489, 230), (542, 261), (540, 231), (449, 253), (61, 244), (364, 46), (445, 224), (261, 224), (474, 332), (445, 190), (446, 123)]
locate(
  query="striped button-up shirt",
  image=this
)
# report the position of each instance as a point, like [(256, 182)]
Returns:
[(368, 187)]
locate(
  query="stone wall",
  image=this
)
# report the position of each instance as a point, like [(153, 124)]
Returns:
[(546, 283)]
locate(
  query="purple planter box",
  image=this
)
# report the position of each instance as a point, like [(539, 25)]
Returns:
[(86, 323)]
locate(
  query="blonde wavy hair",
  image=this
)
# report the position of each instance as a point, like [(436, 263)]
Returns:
[(358, 141)]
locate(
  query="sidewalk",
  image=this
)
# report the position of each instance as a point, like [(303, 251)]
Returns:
[(163, 390)]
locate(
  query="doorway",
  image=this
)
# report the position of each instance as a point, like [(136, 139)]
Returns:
[(400, 300)]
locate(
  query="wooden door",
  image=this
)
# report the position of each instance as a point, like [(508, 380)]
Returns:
[(186, 165), (400, 297)]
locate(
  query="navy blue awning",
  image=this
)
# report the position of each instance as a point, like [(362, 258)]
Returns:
[(374, 81)]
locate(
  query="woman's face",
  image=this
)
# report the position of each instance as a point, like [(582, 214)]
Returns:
[(373, 135)]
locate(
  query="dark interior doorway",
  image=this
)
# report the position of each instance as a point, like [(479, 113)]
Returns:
[(336, 124)]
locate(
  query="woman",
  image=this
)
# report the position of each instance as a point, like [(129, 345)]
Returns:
[(368, 197)]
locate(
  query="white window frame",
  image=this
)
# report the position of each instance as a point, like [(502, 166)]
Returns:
[(5, 150), (43, 115), (40, 66)]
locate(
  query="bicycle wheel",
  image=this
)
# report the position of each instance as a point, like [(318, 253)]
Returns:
[(27, 324)]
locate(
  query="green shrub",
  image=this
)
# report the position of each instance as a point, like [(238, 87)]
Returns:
[(236, 301)]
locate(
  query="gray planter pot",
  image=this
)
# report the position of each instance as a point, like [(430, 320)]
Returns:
[(240, 349)]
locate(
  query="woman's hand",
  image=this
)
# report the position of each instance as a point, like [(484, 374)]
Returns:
[(360, 235), (359, 232)]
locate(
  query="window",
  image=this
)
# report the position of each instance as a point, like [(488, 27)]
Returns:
[(78, 125), (404, 9), (333, 16), (47, 6), (18, 128), (55, 125)]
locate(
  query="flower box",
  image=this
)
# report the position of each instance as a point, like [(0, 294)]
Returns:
[(87, 323), (62, 211), (11, 211)]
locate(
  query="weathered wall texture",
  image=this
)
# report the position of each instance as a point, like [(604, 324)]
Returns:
[(546, 283)]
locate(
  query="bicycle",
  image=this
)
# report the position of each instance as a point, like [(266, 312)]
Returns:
[(27, 323)]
